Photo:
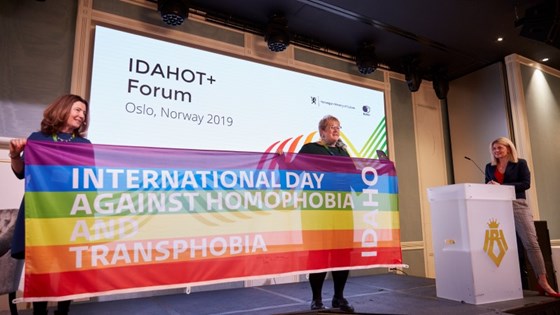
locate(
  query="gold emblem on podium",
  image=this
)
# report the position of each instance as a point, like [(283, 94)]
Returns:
[(495, 245)]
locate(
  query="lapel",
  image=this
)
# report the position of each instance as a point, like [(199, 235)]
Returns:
[(509, 169)]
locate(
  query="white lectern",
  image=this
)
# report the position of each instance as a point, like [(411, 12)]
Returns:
[(474, 240)]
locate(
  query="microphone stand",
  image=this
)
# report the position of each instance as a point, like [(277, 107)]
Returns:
[(486, 179)]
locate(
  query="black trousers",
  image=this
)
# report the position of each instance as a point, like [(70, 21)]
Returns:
[(316, 281), (40, 308)]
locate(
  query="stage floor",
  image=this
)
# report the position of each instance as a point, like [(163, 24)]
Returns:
[(379, 294)]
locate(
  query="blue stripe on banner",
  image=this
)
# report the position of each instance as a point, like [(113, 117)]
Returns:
[(79, 178)]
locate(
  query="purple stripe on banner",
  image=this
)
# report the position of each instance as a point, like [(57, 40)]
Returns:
[(58, 153), (119, 156)]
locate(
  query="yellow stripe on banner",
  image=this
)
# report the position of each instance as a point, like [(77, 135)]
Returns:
[(142, 227), (358, 220)]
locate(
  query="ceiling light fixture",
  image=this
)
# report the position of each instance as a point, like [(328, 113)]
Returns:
[(544, 59), (412, 74), (366, 59), (173, 12), (441, 85), (276, 34), (540, 22)]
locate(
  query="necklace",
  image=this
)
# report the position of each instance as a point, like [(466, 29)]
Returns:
[(324, 145), (502, 168), (58, 139)]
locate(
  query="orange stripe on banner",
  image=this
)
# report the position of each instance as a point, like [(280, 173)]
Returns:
[(46, 259), (95, 282)]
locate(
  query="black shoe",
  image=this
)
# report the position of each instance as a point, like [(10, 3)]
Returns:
[(342, 304), (317, 305)]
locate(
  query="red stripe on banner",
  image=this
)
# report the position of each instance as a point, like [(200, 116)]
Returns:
[(40, 258), (95, 282)]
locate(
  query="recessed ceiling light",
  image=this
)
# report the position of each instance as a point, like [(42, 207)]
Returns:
[(544, 59), (499, 39)]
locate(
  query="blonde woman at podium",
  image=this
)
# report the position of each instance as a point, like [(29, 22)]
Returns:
[(506, 168)]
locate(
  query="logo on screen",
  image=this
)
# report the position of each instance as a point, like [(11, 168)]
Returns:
[(314, 101), (366, 110)]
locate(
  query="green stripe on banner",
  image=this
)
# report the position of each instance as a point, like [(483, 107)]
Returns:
[(88, 204)]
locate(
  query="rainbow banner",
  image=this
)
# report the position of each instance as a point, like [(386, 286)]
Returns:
[(112, 219)]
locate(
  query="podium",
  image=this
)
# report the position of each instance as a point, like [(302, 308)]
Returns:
[(475, 248)]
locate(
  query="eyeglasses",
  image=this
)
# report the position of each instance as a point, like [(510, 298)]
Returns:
[(335, 127)]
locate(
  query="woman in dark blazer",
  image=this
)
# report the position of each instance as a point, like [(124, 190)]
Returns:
[(330, 144), (506, 168), (64, 120)]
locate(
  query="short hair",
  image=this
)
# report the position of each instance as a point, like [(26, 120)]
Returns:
[(324, 123), (57, 113), (512, 152)]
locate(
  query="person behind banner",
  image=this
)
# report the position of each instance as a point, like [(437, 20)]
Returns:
[(64, 120), (330, 144), (506, 168)]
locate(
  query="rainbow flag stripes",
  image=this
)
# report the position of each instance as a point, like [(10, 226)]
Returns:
[(113, 219)]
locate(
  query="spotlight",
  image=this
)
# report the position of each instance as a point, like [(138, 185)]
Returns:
[(441, 85), (412, 75), (365, 59), (173, 12), (541, 22), (276, 34)]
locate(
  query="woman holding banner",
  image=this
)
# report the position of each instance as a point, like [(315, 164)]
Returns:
[(506, 168), (330, 144), (64, 120)]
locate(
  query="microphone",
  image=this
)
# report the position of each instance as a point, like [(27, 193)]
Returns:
[(339, 143), (486, 179)]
